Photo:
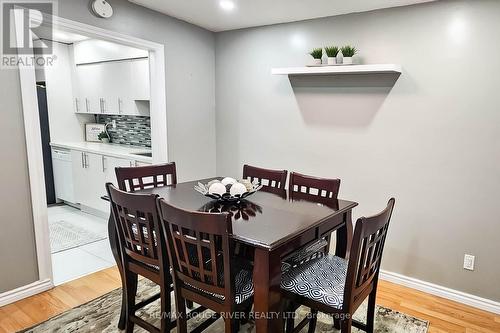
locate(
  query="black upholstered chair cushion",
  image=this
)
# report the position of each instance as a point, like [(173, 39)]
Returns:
[(304, 254), (243, 285), (321, 279)]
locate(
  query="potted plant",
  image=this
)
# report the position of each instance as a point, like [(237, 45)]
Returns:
[(103, 137), (331, 53), (317, 54), (347, 53)]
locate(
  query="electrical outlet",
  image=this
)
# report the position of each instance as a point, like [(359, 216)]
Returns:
[(469, 262), (114, 123)]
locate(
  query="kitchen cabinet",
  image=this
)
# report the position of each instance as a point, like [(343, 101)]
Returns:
[(140, 79), (90, 174), (88, 89), (114, 87), (109, 165), (88, 180)]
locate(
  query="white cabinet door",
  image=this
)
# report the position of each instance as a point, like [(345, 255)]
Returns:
[(89, 180), (116, 80), (138, 163), (110, 163), (140, 79), (89, 88)]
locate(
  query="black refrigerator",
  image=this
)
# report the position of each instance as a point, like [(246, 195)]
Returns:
[(45, 133)]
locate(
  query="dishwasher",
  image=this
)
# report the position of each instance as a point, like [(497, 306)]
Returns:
[(63, 175)]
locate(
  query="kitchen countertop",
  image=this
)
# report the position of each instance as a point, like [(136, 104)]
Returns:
[(108, 149)]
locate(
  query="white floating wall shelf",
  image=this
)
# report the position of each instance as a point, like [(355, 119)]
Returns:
[(339, 69)]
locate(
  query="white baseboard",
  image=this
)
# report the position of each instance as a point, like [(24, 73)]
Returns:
[(437, 290), (25, 291)]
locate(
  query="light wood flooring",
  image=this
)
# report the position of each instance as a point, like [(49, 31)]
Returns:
[(443, 315)]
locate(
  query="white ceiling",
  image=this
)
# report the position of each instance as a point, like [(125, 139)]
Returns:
[(250, 13)]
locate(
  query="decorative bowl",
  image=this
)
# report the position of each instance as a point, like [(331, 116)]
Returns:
[(251, 188)]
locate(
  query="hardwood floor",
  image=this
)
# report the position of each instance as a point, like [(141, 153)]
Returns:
[(444, 315)]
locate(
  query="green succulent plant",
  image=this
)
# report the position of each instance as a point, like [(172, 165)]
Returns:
[(317, 53), (348, 51), (331, 51), (103, 135)]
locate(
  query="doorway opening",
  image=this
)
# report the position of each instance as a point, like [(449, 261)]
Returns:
[(104, 83)]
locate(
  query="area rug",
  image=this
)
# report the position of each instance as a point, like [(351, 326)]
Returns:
[(101, 315), (65, 235)]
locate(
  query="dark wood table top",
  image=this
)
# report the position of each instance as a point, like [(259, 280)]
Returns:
[(264, 219)]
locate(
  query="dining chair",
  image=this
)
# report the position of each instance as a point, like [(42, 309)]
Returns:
[(337, 286), (210, 277), (321, 190), (143, 253), (132, 179), (271, 180)]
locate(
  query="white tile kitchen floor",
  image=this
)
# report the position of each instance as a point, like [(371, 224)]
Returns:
[(73, 263)]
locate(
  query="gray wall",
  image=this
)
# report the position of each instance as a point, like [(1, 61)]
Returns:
[(17, 245), (189, 54), (431, 139)]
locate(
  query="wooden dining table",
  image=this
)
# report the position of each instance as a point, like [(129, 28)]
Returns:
[(273, 225)]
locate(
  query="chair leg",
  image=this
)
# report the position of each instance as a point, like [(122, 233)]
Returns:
[(290, 318), (370, 316), (346, 326), (180, 306), (133, 289), (130, 292), (166, 310), (230, 325), (314, 319)]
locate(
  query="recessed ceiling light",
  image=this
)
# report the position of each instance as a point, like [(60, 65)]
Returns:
[(226, 5)]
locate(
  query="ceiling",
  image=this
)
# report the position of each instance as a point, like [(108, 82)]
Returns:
[(209, 14)]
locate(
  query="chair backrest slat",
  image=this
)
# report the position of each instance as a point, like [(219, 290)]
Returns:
[(311, 188), (138, 225), (133, 179), (198, 246), (366, 253), (271, 180)]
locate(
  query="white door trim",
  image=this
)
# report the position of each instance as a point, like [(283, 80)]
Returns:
[(33, 137)]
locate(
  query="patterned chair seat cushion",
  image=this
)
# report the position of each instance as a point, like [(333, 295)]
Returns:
[(321, 279), (243, 285)]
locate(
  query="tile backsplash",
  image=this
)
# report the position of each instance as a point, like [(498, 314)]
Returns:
[(130, 130)]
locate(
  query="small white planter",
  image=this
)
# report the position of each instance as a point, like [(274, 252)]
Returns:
[(316, 61), (332, 60), (347, 60), (105, 140)]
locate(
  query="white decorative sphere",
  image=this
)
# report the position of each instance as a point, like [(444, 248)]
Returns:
[(213, 182), (237, 189), (217, 188), (228, 181)]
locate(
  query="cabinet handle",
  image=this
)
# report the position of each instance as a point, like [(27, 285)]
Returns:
[(87, 104), (77, 105), (83, 163), (103, 162), (86, 160), (120, 102)]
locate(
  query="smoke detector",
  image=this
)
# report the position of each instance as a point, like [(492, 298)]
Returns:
[(101, 8)]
